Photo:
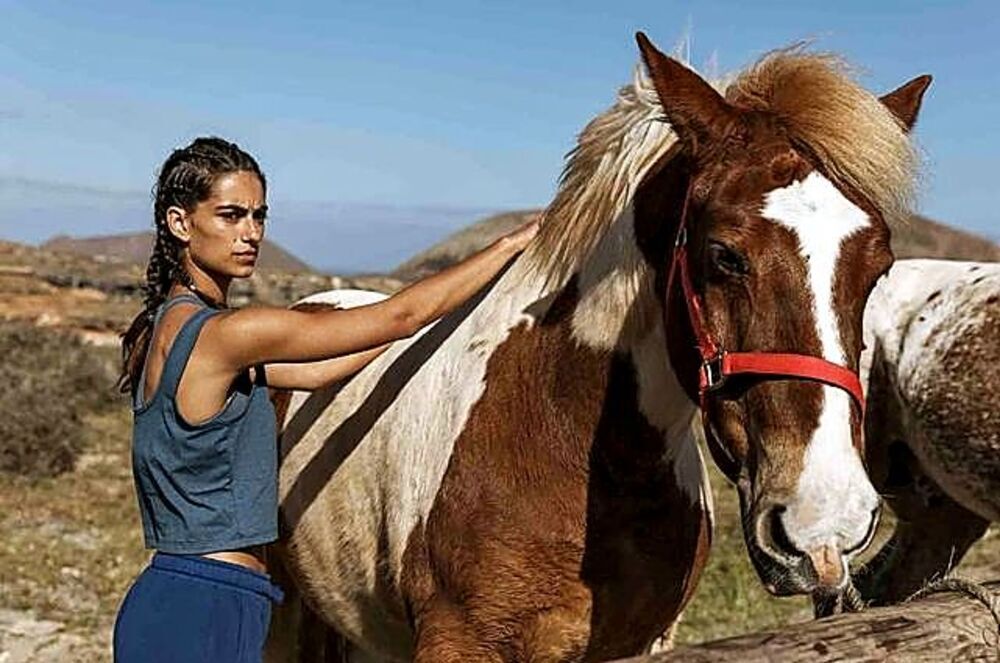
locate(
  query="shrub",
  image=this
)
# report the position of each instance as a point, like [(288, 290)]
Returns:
[(49, 380)]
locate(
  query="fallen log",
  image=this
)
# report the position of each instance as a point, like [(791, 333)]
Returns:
[(941, 627)]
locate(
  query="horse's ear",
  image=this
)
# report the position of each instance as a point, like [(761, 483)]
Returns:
[(697, 112), (904, 101)]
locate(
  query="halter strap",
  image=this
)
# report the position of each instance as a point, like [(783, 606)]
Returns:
[(717, 364), (782, 365)]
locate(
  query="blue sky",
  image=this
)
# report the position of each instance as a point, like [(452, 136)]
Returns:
[(449, 104)]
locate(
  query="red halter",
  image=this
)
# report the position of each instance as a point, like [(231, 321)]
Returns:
[(717, 364)]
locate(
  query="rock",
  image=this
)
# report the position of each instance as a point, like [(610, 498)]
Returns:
[(26, 639)]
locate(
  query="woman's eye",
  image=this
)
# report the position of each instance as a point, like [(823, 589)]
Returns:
[(726, 260)]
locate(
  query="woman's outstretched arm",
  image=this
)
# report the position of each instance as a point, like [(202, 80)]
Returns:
[(267, 335), (307, 376)]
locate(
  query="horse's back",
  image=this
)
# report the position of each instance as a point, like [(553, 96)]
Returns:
[(342, 298), (946, 355)]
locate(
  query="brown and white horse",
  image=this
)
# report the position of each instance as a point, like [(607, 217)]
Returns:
[(932, 331), (521, 481)]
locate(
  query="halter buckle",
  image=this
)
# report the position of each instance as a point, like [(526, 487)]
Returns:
[(682, 237), (712, 375)]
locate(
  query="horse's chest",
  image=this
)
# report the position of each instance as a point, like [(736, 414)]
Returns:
[(642, 560), (571, 569), (559, 525)]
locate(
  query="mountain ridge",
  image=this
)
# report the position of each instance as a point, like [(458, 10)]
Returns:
[(135, 248)]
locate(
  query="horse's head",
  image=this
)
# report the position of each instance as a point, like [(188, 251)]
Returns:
[(784, 243)]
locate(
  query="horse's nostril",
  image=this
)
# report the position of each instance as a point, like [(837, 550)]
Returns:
[(776, 534)]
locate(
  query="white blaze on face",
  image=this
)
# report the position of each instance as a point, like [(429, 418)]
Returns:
[(834, 499)]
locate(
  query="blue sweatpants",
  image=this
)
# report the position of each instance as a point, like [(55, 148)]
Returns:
[(191, 609)]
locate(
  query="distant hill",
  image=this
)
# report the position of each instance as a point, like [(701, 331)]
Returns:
[(919, 238), (335, 237), (926, 238), (28, 270), (461, 244), (134, 248)]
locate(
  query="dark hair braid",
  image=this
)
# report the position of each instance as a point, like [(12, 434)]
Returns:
[(185, 179)]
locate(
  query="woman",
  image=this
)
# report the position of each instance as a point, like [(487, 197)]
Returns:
[(204, 446)]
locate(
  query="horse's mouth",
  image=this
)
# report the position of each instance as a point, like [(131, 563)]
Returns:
[(785, 574), (789, 576), (798, 577)]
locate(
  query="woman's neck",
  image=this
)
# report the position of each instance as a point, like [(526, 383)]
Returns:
[(212, 296), (210, 288)]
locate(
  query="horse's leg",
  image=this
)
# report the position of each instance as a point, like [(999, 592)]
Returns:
[(922, 550), (319, 643), (354, 655), (282, 639), (297, 634), (284, 634), (933, 531), (932, 534), (444, 636)]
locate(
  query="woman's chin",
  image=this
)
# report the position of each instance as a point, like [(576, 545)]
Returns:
[(242, 271)]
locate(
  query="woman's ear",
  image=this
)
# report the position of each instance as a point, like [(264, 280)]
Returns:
[(178, 223)]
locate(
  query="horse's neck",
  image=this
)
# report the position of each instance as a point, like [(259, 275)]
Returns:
[(618, 311)]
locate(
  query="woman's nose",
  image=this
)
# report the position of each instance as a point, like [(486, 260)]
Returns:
[(253, 231)]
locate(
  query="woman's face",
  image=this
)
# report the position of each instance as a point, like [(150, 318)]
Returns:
[(224, 232)]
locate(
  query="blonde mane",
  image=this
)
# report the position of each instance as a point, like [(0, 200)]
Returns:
[(612, 154), (855, 137)]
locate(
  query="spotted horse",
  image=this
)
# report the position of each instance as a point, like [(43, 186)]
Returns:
[(932, 370)]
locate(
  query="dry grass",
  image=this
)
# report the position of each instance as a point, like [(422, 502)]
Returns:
[(72, 543), (48, 380)]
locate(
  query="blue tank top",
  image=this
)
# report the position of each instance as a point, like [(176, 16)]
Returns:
[(209, 486)]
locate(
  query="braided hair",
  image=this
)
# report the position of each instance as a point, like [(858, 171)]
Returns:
[(186, 179)]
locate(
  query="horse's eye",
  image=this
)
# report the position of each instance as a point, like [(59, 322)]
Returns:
[(727, 261)]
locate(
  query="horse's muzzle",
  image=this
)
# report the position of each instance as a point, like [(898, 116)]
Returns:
[(785, 570)]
